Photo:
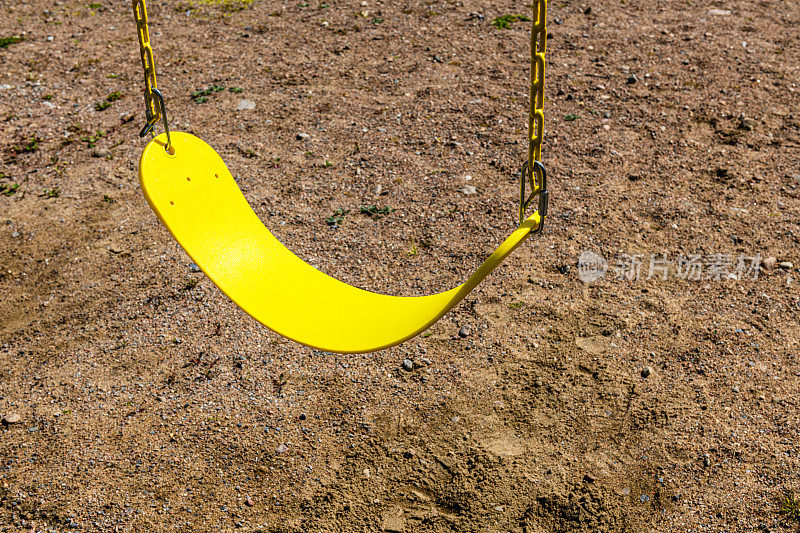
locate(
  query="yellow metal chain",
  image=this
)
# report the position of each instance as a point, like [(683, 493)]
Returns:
[(148, 62), (154, 101), (533, 172), (538, 49)]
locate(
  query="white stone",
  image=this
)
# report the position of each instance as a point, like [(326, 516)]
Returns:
[(246, 105)]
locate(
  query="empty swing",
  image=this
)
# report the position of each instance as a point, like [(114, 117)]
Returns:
[(194, 195)]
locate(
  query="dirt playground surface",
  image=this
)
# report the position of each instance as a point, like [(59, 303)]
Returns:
[(661, 396)]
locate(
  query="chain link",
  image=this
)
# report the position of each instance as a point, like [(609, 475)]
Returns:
[(538, 49), (534, 173), (148, 62)]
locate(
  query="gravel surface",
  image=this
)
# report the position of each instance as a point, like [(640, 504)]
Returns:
[(135, 397)]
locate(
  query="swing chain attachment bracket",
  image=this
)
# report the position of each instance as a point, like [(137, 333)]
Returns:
[(538, 175), (155, 109), (153, 120)]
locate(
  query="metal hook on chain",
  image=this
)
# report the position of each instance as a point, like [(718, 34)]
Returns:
[(152, 120), (544, 196)]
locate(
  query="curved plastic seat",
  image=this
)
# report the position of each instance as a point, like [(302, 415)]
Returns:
[(198, 201)]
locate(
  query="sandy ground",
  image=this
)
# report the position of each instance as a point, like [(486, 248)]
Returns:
[(146, 401)]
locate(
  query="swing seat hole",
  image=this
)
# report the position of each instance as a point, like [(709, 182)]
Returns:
[(171, 202), (188, 179)]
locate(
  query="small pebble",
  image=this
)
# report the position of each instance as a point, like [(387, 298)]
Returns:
[(719, 12), (15, 234), (194, 268), (464, 332), (469, 190), (245, 105), (11, 418), (249, 502), (101, 152), (588, 478), (282, 449), (632, 79), (408, 365), (303, 136), (706, 460), (769, 263), (647, 371), (786, 264)]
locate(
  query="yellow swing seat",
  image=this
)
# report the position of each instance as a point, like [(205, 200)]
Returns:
[(189, 187), (198, 201)]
